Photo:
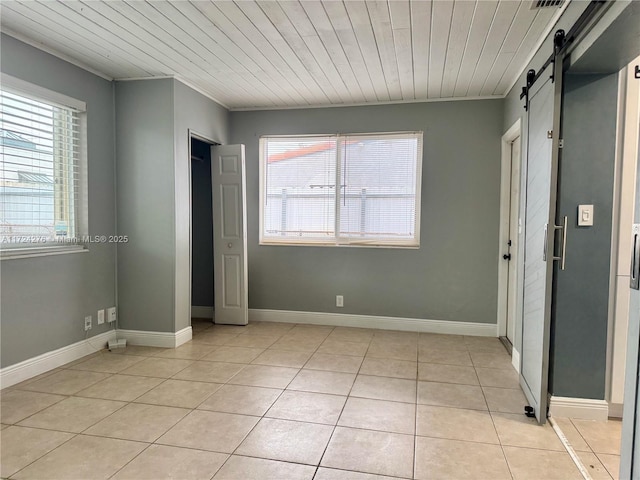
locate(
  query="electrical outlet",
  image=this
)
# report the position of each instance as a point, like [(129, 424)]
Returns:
[(111, 314), (100, 316), (87, 323), (339, 301)]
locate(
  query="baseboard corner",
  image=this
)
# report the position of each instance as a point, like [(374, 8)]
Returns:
[(582, 408), (40, 364), (515, 359)]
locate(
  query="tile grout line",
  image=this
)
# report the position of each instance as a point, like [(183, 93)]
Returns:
[(570, 450), (42, 456), (267, 410), (504, 454), (335, 427), (134, 457), (196, 408)]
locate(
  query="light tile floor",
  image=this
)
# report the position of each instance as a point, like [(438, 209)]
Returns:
[(597, 444), (284, 401)]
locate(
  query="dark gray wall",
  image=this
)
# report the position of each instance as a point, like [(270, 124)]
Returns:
[(580, 312), (453, 276), (44, 300), (193, 112), (145, 179), (201, 226)]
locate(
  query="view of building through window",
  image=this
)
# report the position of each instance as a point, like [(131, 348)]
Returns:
[(39, 152), (342, 189)]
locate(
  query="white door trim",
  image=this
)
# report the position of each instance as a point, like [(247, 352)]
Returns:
[(623, 213), (514, 132)]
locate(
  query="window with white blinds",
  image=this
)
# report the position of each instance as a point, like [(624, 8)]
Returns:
[(359, 189), (41, 167)]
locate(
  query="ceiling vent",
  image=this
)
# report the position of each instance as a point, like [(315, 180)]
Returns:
[(535, 4)]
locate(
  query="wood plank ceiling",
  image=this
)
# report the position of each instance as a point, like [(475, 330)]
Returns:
[(253, 54)]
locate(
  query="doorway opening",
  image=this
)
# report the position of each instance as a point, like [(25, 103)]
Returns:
[(201, 230), (628, 151), (509, 242)]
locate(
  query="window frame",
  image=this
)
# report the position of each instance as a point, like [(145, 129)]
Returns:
[(37, 248), (337, 240)]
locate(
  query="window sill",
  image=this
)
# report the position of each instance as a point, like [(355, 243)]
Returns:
[(339, 245), (16, 253)]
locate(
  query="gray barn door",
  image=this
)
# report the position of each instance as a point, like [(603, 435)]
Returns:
[(230, 234), (539, 234)]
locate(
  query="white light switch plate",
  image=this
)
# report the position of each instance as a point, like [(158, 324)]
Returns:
[(585, 215)]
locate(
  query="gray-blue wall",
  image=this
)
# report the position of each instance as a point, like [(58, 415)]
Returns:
[(453, 276), (44, 300), (145, 181)]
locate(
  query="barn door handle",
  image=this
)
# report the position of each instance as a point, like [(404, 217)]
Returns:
[(563, 255), (544, 247), (635, 261)]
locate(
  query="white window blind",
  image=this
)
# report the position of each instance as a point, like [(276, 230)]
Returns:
[(341, 190), (41, 170)]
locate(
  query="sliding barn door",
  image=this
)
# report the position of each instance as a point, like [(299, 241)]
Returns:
[(543, 123), (229, 234)]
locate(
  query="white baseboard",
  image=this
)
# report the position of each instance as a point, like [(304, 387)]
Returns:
[(370, 321), (583, 408), (515, 359), (32, 367), (615, 410), (201, 312), (183, 336), (156, 339)]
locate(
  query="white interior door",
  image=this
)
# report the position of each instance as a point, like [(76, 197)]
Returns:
[(230, 234), (539, 235), (513, 239)]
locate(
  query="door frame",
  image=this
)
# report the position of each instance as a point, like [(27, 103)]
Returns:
[(504, 285), (192, 134), (627, 147)]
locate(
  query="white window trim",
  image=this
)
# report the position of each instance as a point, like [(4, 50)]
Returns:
[(30, 252), (22, 87), (13, 84), (335, 241)]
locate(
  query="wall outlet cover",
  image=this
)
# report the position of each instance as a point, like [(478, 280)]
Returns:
[(87, 323), (100, 316), (111, 314)]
